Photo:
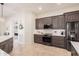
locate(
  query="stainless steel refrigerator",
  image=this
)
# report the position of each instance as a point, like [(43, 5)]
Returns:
[(72, 33)]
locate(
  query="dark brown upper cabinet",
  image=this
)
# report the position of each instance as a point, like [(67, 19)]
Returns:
[(58, 22), (72, 16), (43, 21)]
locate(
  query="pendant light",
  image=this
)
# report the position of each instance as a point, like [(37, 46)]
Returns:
[(1, 17)]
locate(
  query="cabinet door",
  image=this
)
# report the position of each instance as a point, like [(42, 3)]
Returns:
[(11, 45), (58, 41), (42, 21), (61, 22), (38, 38), (73, 51), (55, 22), (7, 45), (72, 16), (4, 46), (39, 24), (58, 22), (47, 20)]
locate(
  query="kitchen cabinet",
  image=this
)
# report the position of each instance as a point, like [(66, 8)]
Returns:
[(72, 16), (7, 45), (73, 51), (58, 22), (43, 21), (68, 45), (58, 41), (38, 38)]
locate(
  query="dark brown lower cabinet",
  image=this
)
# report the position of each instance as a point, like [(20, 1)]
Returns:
[(58, 41), (73, 51), (38, 38), (7, 45)]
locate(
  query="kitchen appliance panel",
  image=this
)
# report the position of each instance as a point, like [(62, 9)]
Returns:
[(72, 33)]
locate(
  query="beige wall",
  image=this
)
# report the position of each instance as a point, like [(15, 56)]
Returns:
[(2, 28)]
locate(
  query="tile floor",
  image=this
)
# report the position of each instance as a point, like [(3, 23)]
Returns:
[(36, 49)]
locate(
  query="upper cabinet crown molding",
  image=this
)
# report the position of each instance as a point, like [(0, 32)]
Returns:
[(72, 16)]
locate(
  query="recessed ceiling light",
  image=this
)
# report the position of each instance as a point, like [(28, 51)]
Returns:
[(40, 8)]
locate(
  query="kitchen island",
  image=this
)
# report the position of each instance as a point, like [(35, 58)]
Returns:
[(6, 44), (2, 53)]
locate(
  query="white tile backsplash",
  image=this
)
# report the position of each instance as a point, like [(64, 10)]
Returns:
[(54, 32), (59, 32), (42, 31)]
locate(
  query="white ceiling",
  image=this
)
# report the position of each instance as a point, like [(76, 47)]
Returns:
[(12, 8)]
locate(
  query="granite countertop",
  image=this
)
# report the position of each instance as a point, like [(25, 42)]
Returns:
[(3, 38), (76, 46), (2, 53), (51, 34)]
